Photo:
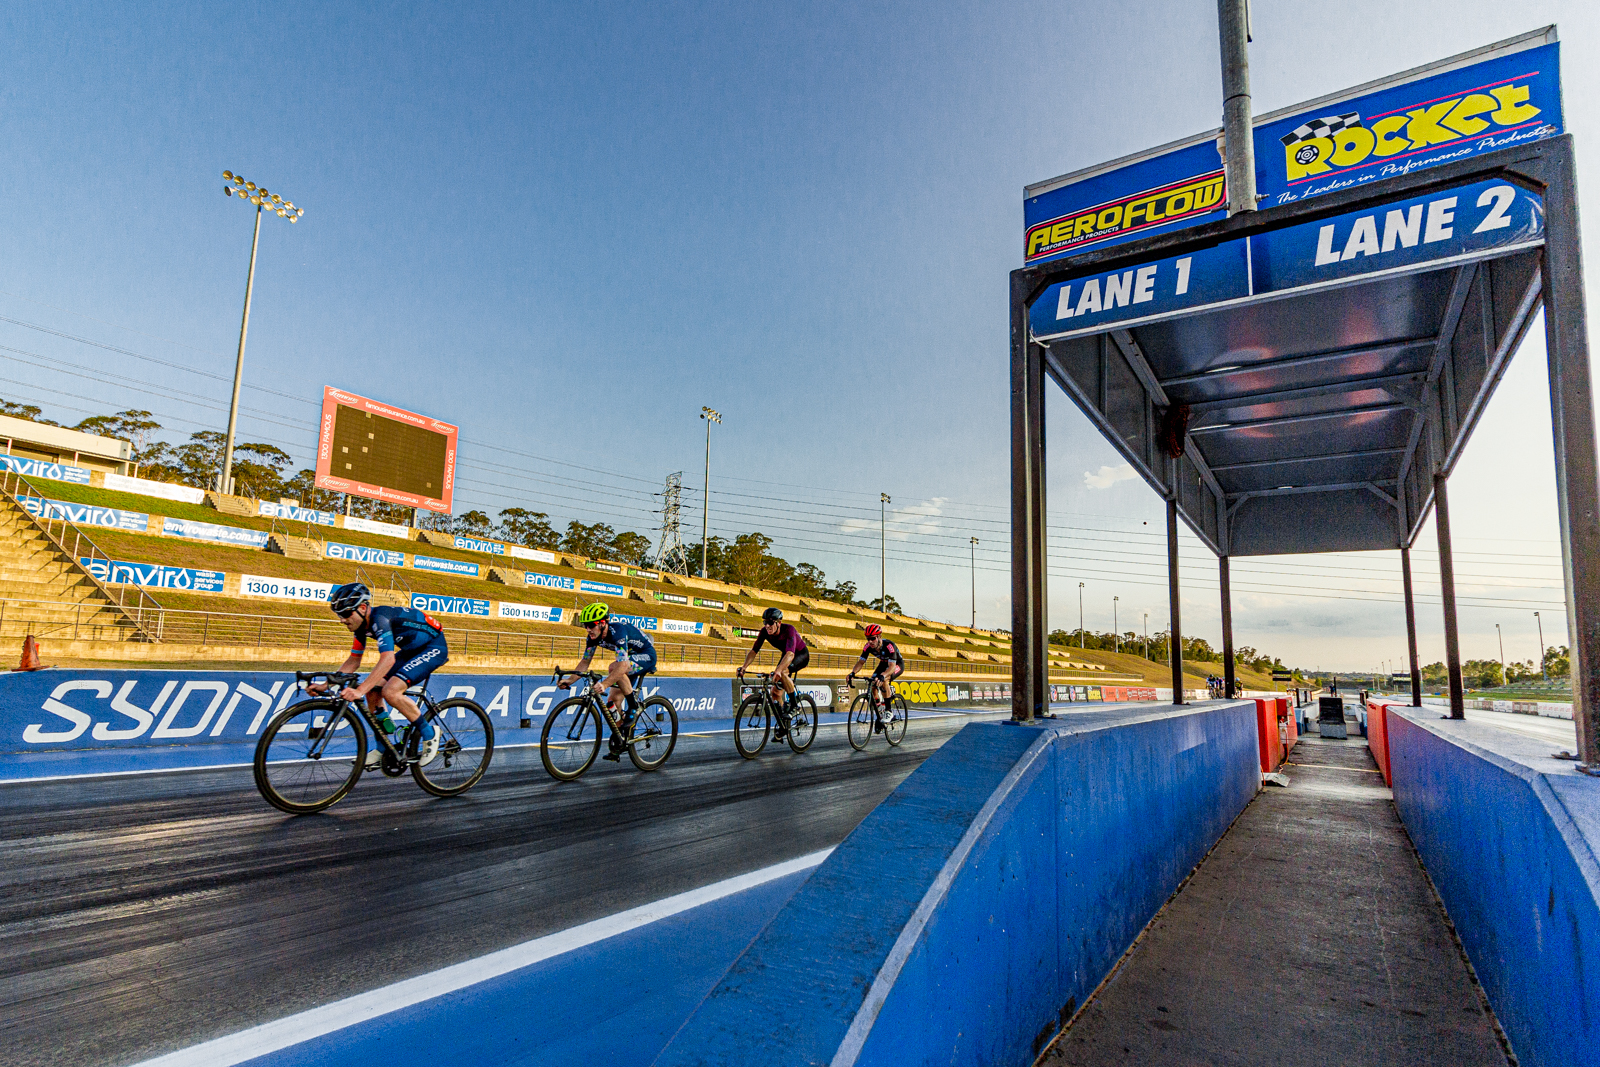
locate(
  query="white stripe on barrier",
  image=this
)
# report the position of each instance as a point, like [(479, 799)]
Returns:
[(342, 1014)]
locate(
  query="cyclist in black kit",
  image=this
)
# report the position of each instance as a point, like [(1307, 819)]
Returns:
[(890, 664), (793, 655)]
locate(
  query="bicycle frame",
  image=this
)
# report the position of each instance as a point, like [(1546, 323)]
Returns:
[(323, 735), (592, 693)]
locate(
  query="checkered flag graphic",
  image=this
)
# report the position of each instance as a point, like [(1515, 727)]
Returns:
[(1326, 126)]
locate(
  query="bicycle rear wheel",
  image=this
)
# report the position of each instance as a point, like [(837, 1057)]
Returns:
[(858, 727), (654, 735), (466, 744), (310, 756), (750, 726), (570, 739), (802, 722), (894, 730)]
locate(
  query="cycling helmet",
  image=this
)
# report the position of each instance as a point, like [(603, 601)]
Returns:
[(874, 630), (771, 615), (593, 613), (344, 599)]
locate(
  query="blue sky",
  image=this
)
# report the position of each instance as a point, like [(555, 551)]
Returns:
[(566, 227)]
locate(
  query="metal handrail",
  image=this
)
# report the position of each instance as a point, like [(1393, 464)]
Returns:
[(57, 529)]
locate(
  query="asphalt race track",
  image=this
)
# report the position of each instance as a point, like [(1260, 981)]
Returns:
[(139, 915)]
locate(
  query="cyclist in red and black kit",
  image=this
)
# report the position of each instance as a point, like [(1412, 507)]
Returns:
[(793, 655), (890, 664)]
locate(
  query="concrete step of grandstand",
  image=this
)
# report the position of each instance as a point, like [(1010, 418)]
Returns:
[(295, 547), (69, 585), (32, 568), (234, 505)]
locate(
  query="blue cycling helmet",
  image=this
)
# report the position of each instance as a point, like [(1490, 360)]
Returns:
[(344, 599)]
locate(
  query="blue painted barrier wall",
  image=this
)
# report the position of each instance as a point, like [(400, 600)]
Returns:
[(967, 917), (1511, 839)]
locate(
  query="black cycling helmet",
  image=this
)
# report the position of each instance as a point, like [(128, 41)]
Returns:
[(771, 615), (343, 599)]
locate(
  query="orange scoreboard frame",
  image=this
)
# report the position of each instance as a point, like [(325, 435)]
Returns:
[(385, 453)]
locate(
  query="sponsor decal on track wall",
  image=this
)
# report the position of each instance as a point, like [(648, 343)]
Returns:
[(445, 566), (371, 526), (210, 531), (529, 612), (359, 554), (154, 575), (603, 588), (293, 513), (822, 694), (86, 514), (449, 605), (145, 487), (42, 468), (283, 588), (1511, 98), (476, 544), (549, 581), (537, 554)]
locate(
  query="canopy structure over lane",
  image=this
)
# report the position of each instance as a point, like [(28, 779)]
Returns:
[(1303, 378)]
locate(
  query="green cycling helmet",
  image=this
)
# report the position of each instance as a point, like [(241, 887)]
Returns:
[(593, 613)]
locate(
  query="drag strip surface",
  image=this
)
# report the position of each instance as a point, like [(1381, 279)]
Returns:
[(142, 915)]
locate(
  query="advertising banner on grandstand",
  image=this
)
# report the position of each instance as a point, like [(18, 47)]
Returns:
[(383, 557), (702, 602), (382, 529), (603, 588), (145, 487), (1504, 95), (86, 514), (210, 531), (529, 612), (610, 568), (270, 510), (154, 575), (477, 544), (283, 588), (679, 626), (386, 453), (673, 598), (538, 555), (548, 581), (639, 572), (643, 622), (434, 604), (40, 468), (444, 566)]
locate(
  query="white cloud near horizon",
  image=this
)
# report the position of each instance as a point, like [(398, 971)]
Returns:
[(1108, 476), (901, 523)]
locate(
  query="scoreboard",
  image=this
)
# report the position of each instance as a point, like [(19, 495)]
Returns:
[(386, 453)]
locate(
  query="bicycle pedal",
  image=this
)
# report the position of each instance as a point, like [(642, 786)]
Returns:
[(614, 757)]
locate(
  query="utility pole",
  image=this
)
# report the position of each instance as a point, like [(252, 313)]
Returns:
[(1498, 636), (705, 510), (1080, 615), (1239, 150), (1116, 635), (974, 583), (1544, 675), (669, 555), (1147, 635), (883, 552)]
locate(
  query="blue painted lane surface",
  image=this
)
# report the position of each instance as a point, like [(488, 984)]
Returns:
[(616, 1002)]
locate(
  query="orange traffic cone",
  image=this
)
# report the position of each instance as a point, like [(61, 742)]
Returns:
[(30, 655)]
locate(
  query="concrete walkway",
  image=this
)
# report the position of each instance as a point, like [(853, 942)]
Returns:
[(1308, 936)]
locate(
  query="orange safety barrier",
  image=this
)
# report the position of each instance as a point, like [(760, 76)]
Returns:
[(1378, 737), (1267, 734)]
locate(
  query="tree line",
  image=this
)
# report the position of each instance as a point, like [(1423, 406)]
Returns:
[(1154, 648)]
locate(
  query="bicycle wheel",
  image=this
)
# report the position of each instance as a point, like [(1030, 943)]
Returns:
[(570, 739), (858, 727), (750, 726), (802, 723), (894, 730), (310, 756), (466, 744), (655, 733)]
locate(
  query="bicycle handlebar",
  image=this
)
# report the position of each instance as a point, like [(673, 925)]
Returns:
[(338, 678)]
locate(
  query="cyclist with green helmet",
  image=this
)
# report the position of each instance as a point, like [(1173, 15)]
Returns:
[(636, 657)]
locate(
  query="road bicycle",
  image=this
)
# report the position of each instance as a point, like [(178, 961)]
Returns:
[(311, 753), (570, 739), (763, 709), (870, 714)]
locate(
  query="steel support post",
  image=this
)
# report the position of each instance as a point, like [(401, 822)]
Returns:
[(1566, 333), (1228, 669), (1233, 31), (1029, 621), (1411, 627), (1174, 641), (1447, 593)]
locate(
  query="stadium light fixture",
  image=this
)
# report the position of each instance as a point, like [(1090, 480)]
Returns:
[(705, 512), (1544, 675), (264, 200), (1116, 635), (1080, 615), (974, 583), (883, 552)]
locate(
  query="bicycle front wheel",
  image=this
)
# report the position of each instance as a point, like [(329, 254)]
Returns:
[(310, 756), (570, 739), (655, 733), (466, 744), (894, 729), (750, 726), (802, 722), (858, 727)]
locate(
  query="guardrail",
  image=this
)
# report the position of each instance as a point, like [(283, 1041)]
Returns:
[(60, 531)]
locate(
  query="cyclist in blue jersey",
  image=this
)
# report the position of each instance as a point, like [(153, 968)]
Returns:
[(636, 655), (411, 646)]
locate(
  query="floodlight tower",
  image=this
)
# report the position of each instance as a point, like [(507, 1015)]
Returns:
[(284, 209), (883, 552)]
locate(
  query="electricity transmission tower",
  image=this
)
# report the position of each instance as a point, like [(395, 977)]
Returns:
[(670, 555)]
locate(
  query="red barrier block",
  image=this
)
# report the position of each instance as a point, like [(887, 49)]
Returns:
[(1267, 734), (1378, 737)]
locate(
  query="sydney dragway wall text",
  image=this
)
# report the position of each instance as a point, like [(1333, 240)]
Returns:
[(967, 917), (1511, 839)]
